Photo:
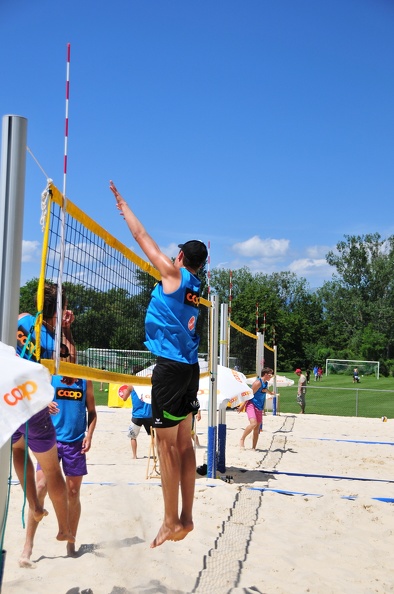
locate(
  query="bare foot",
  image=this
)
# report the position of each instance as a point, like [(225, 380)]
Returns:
[(242, 444), (165, 533), (39, 513), (26, 563), (188, 526), (24, 559), (65, 536)]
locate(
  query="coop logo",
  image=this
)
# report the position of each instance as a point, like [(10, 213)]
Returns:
[(62, 394), (236, 376), (25, 390), (21, 338), (192, 298)]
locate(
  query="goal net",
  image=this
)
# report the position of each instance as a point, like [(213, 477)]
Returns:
[(347, 366)]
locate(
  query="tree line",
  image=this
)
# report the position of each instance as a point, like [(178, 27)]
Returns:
[(348, 317)]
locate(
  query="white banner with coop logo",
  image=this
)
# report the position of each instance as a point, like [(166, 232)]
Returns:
[(25, 389), (231, 388)]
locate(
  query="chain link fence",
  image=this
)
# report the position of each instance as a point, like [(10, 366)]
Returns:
[(343, 402)]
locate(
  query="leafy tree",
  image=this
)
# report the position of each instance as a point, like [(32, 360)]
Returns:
[(27, 297), (359, 302)]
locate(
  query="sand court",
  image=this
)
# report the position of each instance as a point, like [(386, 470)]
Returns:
[(311, 510)]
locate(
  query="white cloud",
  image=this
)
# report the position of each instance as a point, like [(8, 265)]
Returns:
[(171, 250), (310, 267), (255, 247), (318, 251), (29, 250)]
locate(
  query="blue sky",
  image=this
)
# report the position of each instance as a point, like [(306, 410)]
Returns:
[(264, 127)]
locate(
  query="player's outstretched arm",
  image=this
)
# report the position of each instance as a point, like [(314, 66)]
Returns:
[(148, 245)]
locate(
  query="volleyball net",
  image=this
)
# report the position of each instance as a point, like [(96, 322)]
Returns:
[(108, 288)]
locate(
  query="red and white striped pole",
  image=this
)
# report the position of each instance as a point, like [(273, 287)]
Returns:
[(59, 304), (66, 122)]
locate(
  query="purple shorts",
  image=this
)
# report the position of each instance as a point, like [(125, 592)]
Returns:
[(73, 461), (41, 434), (253, 412)]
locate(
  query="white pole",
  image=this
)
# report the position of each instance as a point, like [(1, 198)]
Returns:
[(12, 190), (222, 427), (212, 405), (260, 353), (223, 357)]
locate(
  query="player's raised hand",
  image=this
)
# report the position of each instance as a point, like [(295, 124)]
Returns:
[(120, 202)]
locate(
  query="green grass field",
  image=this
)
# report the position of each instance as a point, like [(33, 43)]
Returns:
[(337, 395), (333, 395)]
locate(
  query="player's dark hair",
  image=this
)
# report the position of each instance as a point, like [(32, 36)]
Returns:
[(50, 300)]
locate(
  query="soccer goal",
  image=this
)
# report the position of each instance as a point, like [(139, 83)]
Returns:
[(346, 367)]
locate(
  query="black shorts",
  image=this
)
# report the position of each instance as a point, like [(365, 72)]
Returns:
[(145, 423), (174, 391)]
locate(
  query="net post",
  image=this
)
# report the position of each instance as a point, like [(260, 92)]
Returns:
[(212, 406), (12, 190)]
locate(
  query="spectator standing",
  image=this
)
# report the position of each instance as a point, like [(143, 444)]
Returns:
[(301, 389)]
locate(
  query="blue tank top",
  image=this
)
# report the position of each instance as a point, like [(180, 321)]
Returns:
[(259, 397), (141, 409), (70, 422), (171, 318), (25, 324)]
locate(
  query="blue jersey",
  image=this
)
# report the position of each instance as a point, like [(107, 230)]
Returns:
[(70, 422), (171, 319), (25, 325), (141, 409), (259, 397)]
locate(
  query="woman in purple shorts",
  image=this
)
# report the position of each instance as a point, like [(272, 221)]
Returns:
[(38, 433), (74, 418)]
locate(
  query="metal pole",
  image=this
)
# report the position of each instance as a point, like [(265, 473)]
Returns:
[(259, 353), (12, 190), (222, 426), (223, 334), (13, 165), (212, 405)]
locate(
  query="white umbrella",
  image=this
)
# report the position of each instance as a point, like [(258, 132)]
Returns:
[(25, 388), (231, 387), (281, 381)]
